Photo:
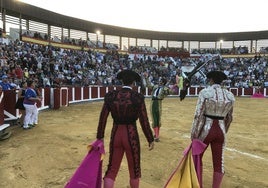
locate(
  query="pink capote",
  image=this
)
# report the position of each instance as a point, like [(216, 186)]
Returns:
[(89, 173), (198, 147), (258, 95)]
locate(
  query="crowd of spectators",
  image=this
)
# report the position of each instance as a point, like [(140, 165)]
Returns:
[(71, 41), (54, 67), (222, 51)]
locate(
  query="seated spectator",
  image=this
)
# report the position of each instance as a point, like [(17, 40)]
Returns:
[(5, 83)]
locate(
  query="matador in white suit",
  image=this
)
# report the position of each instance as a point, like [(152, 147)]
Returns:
[(212, 120)]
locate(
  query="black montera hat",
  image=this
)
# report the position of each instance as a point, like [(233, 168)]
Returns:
[(128, 76), (216, 76)]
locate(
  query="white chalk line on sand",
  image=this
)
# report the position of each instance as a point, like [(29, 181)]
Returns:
[(247, 154), (240, 152)]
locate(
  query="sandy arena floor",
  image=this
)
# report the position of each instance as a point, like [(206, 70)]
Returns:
[(47, 155)]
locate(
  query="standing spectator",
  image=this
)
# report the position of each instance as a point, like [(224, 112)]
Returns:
[(19, 103), (31, 73), (19, 73), (46, 81), (212, 120), (26, 74), (178, 83), (159, 92), (29, 103), (126, 106)]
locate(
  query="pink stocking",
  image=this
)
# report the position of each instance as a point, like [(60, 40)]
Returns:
[(217, 179), (108, 183), (134, 183)]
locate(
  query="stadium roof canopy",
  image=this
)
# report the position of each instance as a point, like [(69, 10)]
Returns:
[(29, 12)]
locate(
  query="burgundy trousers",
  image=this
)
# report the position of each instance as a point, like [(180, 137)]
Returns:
[(125, 140), (215, 138)]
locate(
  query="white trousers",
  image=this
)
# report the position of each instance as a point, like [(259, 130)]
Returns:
[(31, 113)]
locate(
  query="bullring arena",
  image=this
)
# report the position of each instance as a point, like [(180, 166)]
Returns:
[(48, 155)]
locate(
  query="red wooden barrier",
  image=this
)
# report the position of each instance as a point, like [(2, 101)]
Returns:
[(70, 94), (57, 98), (86, 93), (9, 104), (2, 117), (247, 91), (64, 96), (46, 96), (77, 93), (94, 92), (102, 92)]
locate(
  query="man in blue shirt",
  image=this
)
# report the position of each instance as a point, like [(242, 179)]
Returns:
[(30, 100), (5, 84)]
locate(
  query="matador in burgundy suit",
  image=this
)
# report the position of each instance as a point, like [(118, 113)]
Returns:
[(126, 107)]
